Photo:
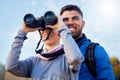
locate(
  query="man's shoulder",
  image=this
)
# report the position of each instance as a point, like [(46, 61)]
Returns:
[(100, 51)]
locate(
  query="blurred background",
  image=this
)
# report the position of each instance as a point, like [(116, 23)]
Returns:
[(101, 17)]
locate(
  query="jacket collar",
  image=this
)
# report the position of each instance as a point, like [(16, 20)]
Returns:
[(81, 40)]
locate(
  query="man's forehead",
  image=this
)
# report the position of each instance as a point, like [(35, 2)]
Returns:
[(70, 14)]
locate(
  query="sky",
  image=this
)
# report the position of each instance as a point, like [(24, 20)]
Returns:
[(101, 17)]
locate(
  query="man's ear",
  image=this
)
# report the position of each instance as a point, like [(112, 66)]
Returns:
[(83, 24)]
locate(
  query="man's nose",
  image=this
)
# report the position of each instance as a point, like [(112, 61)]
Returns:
[(70, 21)]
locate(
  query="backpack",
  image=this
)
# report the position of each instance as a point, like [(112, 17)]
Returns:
[(89, 58)]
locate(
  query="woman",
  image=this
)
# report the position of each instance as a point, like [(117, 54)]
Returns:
[(55, 62)]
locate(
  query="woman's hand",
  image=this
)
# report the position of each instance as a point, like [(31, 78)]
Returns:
[(58, 24), (28, 29)]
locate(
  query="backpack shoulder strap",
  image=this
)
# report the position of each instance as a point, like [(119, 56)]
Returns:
[(89, 58)]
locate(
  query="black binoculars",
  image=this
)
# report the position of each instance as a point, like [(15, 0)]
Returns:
[(49, 18)]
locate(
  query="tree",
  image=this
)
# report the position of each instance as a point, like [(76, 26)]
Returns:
[(116, 67)]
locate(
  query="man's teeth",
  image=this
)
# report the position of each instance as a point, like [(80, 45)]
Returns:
[(72, 29)]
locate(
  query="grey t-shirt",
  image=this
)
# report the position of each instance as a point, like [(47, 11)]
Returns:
[(64, 67)]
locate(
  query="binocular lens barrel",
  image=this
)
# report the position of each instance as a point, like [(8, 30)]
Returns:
[(29, 18), (49, 15), (49, 18)]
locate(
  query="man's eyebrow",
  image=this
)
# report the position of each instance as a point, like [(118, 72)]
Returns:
[(65, 18)]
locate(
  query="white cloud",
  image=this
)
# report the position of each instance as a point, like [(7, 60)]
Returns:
[(102, 25), (34, 2)]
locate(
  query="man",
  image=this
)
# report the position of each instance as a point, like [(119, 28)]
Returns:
[(72, 16), (54, 62)]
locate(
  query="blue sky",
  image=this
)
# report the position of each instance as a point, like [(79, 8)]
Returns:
[(101, 17)]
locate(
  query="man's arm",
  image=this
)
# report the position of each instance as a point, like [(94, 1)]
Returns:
[(103, 66)]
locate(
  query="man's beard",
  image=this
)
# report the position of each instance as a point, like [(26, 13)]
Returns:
[(77, 34)]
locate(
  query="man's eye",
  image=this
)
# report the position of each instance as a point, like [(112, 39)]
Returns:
[(65, 19), (75, 18)]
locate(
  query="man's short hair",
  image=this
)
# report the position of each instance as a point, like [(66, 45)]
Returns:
[(71, 7)]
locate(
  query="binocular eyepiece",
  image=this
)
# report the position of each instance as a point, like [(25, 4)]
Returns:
[(49, 18)]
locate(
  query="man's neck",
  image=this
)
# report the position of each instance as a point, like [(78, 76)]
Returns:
[(79, 37)]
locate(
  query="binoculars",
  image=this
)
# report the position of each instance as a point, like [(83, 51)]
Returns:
[(49, 18)]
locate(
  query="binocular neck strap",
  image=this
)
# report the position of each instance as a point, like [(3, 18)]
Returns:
[(48, 34), (40, 50)]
